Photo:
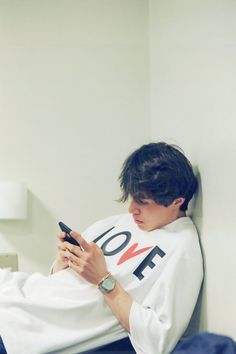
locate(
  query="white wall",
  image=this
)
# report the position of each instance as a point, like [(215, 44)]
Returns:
[(74, 101), (193, 85)]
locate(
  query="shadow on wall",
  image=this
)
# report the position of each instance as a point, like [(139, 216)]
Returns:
[(33, 239), (196, 212)]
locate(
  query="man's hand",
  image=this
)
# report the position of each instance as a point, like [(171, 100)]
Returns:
[(61, 261), (88, 261)]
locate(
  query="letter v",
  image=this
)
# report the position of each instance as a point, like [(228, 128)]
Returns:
[(130, 253)]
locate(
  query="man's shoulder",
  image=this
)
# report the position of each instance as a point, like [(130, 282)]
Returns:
[(183, 223), (183, 232)]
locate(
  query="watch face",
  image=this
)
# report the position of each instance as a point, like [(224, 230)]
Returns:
[(108, 284)]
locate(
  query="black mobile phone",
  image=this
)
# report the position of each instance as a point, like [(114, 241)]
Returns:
[(68, 237)]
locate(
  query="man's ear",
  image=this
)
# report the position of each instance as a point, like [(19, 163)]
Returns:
[(178, 201)]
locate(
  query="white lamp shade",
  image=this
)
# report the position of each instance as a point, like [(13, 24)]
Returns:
[(13, 200)]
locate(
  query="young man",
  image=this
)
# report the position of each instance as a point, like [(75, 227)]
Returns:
[(135, 275)]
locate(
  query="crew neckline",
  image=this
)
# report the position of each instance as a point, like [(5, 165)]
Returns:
[(172, 225)]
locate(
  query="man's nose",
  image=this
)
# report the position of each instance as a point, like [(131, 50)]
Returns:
[(133, 207)]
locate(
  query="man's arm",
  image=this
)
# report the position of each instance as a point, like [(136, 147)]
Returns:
[(120, 303), (91, 265)]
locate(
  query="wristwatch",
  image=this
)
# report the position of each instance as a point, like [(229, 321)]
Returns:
[(107, 284)]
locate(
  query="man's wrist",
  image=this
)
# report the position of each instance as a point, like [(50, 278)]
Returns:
[(107, 283), (57, 266)]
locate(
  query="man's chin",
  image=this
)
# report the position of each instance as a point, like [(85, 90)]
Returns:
[(142, 226)]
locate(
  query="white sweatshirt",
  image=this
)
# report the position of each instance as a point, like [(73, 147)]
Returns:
[(62, 313)]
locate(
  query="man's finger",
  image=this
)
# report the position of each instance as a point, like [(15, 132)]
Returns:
[(61, 236), (83, 243)]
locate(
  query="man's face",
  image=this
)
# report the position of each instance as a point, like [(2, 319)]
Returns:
[(149, 215)]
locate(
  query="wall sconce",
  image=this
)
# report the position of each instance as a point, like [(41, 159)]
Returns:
[(13, 200)]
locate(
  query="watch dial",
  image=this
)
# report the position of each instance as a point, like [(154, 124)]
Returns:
[(108, 284)]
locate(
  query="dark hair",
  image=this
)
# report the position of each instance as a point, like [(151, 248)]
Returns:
[(158, 171)]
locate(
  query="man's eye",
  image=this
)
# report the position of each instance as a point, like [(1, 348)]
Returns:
[(142, 201)]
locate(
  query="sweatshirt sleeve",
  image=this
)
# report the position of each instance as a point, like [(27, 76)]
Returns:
[(157, 324)]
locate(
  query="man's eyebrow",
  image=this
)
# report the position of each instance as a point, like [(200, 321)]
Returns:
[(142, 200)]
